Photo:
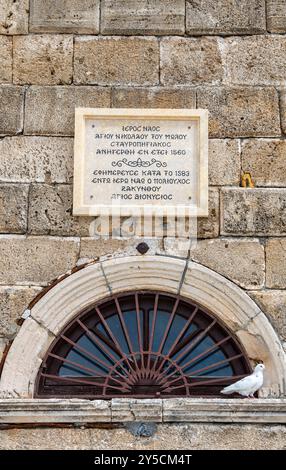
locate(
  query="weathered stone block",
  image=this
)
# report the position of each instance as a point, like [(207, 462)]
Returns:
[(224, 162), (56, 410), (106, 248), (5, 59), (62, 16), (11, 109), (225, 17), (174, 410), (143, 17), (14, 16), (92, 248), (13, 208), (43, 59), (253, 211), (35, 260), (13, 302), (276, 16), (275, 263), (3, 347), (208, 227), (273, 304), (186, 410), (176, 246), (116, 61), (186, 61), (255, 60), (265, 161), (241, 261), (283, 109), (241, 112), (136, 410), (36, 159), (153, 98), (50, 212), (50, 110)]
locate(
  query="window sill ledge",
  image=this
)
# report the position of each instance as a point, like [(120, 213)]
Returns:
[(183, 410)]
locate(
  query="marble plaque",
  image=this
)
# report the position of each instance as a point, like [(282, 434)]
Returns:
[(148, 161)]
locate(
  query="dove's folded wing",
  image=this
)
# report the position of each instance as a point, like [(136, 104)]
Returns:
[(243, 384)]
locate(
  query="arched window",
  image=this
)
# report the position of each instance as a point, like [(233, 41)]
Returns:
[(142, 344)]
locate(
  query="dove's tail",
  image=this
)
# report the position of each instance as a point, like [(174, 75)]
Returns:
[(228, 390)]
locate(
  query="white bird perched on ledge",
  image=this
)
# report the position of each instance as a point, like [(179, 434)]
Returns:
[(249, 385)]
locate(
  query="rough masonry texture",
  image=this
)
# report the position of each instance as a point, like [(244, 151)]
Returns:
[(103, 61), (42, 59), (276, 16), (226, 56), (50, 212), (153, 97), (246, 64), (36, 159), (264, 159), (22, 266), (47, 16), (14, 17), (13, 208), (275, 263), (190, 61), (283, 109), (227, 17), (6, 59), (143, 17), (15, 300), (253, 212), (241, 111), (12, 107), (221, 254), (61, 101)]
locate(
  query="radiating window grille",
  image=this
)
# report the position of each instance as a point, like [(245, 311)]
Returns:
[(142, 344)]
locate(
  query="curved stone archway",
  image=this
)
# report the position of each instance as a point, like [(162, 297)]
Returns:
[(96, 281)]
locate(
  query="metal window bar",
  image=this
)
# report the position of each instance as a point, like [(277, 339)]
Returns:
[(105, 368)]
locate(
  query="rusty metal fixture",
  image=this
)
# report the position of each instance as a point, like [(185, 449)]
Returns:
[(142, 248), (142, 344), (247, 181)]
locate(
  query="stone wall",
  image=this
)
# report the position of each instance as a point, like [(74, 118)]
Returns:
[(166, 437), (227, 56)]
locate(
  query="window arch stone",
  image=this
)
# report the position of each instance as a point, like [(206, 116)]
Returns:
[(61, 303)]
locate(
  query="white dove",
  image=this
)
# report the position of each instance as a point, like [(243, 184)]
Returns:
[(249, 385)]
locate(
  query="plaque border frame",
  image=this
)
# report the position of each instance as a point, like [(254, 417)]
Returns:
[(81, 114)]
